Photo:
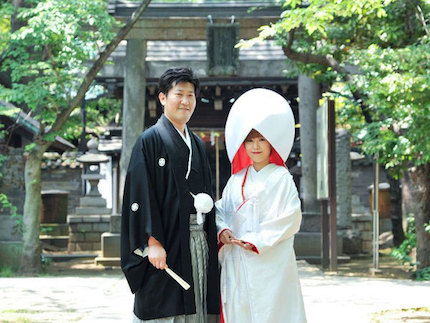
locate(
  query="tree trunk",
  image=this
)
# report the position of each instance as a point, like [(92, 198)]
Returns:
[(396, 211), (420, 177), (16, 23), (30, 261)]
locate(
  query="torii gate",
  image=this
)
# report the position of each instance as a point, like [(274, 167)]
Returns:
[(174, 21)]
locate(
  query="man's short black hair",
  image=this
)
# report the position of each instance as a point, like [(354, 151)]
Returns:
[(176, 75)]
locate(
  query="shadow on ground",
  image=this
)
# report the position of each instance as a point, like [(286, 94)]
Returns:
[(361, 267), (357, 267), (79, 267)]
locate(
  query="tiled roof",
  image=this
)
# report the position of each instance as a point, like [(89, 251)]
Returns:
[(64, 160), (195, 50)]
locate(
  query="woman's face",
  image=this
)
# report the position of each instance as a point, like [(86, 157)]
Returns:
[(258, 149)]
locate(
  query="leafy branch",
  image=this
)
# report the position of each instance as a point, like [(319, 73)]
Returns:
[(62, 117)]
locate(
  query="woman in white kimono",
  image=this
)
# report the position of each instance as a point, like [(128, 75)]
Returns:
[(258, 215)]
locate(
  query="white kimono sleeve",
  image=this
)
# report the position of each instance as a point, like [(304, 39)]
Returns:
[(222, 210), (281, 220)]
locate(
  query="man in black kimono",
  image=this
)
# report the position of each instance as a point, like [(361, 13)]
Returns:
[(159, 226)]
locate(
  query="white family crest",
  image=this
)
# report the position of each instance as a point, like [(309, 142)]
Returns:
[(161, 162), (134, 207)]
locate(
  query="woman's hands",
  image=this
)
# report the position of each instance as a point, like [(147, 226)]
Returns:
[(227, 237), (156, 253)]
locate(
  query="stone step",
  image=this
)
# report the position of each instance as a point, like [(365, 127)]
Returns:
[(316, 260), (54, 242), (92, 210), (307, 245), (59, 257), (54, 229), (88, 218), (110, 244), (108, 261), (87, 201)]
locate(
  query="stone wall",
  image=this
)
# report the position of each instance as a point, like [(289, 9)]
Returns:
[(85, 231), (64, 178), (11, 184), (362, 228), (59, 173), (54, 177)]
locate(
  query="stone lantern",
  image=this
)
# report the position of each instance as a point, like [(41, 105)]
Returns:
[(91, 217), (105, 225), (92, 160)]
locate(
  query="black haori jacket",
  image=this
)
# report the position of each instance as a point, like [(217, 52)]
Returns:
[(157, 202)]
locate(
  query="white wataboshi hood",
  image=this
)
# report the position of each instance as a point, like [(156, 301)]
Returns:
[(267, 112)]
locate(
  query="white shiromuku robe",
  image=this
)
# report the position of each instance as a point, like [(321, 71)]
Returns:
[(262, 285)]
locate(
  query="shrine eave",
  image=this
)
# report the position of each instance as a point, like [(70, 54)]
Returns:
[(212, 81), (219, 9)]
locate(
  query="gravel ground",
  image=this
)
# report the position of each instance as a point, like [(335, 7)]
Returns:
[(82, 292)]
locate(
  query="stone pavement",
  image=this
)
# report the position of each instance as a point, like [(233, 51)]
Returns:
[(106, 297)]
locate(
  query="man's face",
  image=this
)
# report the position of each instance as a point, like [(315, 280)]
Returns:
[(179, 103)]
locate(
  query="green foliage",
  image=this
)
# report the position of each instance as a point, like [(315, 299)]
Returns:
[(46, 58), (99, 113), (45, 230), (6, 10), (45, 263), (6, 204), (423, 274), (397, 87), (6, 271), (427, 227), (8, 111), (403, 252), (384, 46), (30, 147), (2, 160)]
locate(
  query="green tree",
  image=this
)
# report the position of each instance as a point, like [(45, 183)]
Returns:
[(99, 113), (5, 13), (46, 59), (375, 55)]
